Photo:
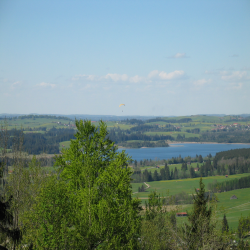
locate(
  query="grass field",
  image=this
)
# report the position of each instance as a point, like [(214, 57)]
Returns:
[(172, 166), (173, 134), (233, 209), (64, 144), (37, 122), (177, 186)]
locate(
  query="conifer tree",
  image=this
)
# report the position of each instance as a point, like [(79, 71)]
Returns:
[(172, 175), (198, 229), (167, 172), (225, 226), (163, 174), (175, 173), (155, 177)]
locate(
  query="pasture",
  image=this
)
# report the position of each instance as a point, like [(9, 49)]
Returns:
[(176, 186), (233, 209), (37, 123)]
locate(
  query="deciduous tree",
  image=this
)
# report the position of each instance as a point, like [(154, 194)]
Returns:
[(99, 210)]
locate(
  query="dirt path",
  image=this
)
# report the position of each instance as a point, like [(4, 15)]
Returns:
[(145, 188)]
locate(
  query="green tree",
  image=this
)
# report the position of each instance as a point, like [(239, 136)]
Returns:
[(163, 174), (156, 176), (10, 233), (244, 226), (225, 226), (175, 173), (95, 182), (192, 172), (167, 171), (198, 230), (200, 159)]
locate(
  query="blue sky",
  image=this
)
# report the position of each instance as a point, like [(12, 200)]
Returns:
[(158, 57)]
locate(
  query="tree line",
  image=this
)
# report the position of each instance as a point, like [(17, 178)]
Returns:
[(243, 182), (205, 169), (37, 143)]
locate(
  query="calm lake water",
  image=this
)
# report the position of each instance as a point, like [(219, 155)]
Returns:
[(187, 149)]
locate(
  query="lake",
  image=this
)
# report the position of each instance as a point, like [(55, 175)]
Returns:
[(185, 149)]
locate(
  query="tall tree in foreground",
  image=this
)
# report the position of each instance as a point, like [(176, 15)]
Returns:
[(199, 230), (90, 204)]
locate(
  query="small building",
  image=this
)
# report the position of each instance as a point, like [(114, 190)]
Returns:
[(196, 169), (234, 197), (181, 214)]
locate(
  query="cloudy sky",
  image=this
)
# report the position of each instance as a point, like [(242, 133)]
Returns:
[(158, 57)]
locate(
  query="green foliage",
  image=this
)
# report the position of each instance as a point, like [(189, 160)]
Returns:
[(197, 232), (49, 226), (154, 206), (94, 185), (159, 230), (233, 153), (225, 226), (244, 226)]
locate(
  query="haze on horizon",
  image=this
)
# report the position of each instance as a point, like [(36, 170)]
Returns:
[(160, 58)]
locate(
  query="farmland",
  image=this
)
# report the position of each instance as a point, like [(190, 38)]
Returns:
[(233, 208), (173, 187)]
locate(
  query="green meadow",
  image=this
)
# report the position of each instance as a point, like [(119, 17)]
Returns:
[(233, 209), (64, 144), (173, 187), (38, 122)]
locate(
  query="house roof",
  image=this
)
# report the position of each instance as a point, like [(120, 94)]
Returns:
[(233, 197)]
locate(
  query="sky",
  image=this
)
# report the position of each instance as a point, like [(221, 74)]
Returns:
[(159, 58)]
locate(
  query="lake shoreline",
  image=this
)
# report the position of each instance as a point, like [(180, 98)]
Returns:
[(180, 142)]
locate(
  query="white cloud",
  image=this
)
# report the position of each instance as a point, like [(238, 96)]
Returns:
[(85, 77), (201, 82), (45, 84), (136, 79), (234, 76), (116, 77), (172, 75), (15, 84), (236, 86), (179, 55), (166, 76), (153, 75)]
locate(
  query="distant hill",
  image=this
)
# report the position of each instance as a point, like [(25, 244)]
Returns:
[(115, 117)]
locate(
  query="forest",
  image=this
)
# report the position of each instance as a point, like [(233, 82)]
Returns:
[(37, 143)]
